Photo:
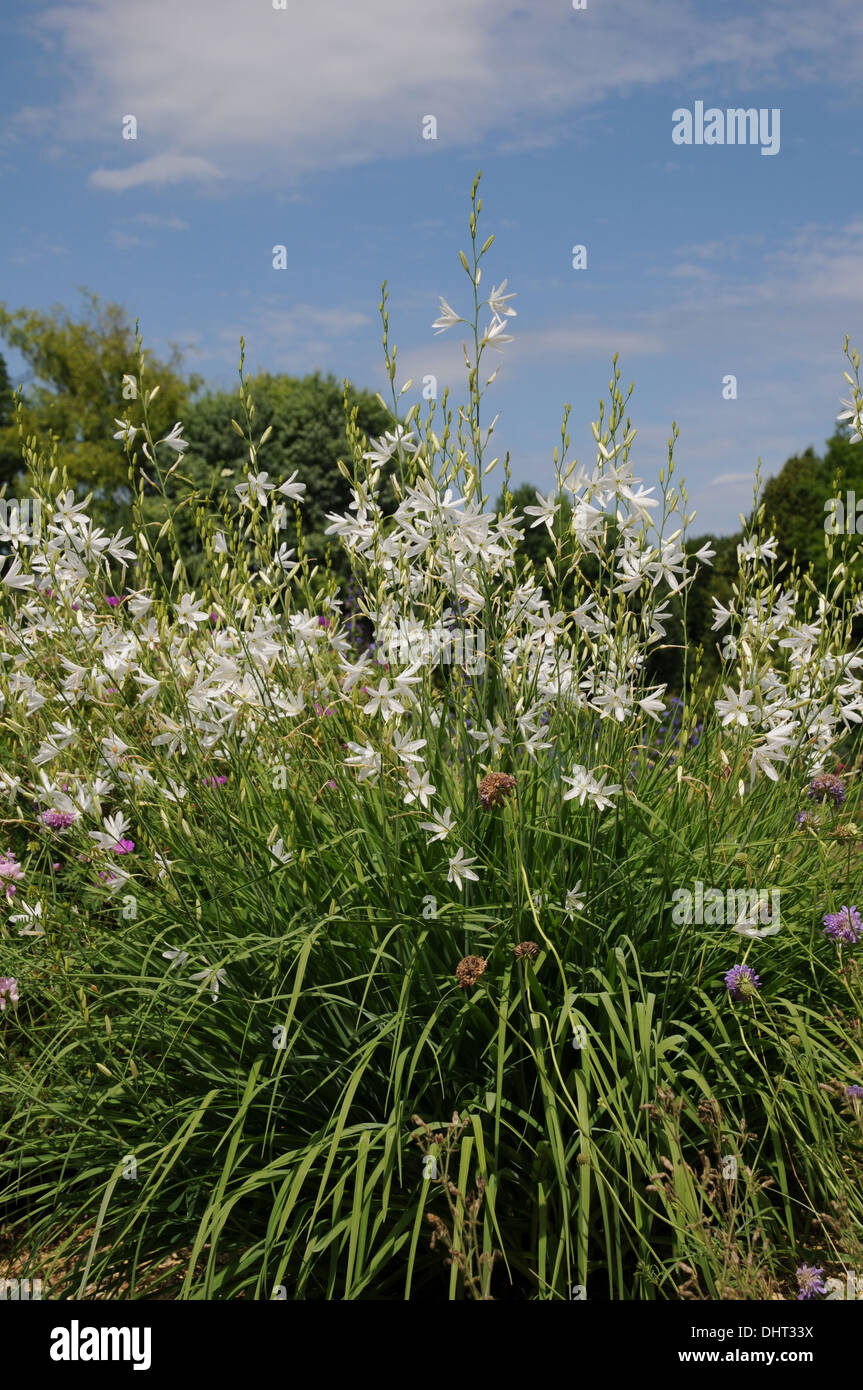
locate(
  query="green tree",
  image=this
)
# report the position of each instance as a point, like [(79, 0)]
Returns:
[(6, 403), (795, 499), (794, 512), (80, 365), (537, 545), (308, 437), (10, 451), (712, 581)]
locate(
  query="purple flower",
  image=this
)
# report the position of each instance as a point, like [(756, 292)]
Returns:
[(112, 601), (805, 818), (844, 925), (124, 846), (827, 787), (810, 1281), (58, 820), (742, 982), (8, 990), (854, 1092)]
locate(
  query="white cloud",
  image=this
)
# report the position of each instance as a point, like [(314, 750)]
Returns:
[(37, 248), (152, 219), (160, 169), (125, 241), (260, 93), (295, 339), (334, 321), (725, 479), (591, 339)]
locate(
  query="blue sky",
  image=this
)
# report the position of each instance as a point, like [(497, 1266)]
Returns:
[(303, 127)]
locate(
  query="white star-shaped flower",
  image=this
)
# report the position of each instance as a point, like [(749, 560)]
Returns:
[(459, 868)]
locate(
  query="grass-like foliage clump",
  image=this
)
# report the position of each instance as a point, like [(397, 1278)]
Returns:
[(466, 961)]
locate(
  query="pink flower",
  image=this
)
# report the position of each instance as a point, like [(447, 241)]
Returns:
[(8, 990), (10, 873), (124, 846)]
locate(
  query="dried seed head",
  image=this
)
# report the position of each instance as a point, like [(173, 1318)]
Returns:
[(709, 1113), (494, 788), (468, 971), (526, 948)]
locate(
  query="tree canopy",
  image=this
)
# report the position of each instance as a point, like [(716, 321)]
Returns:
[(307, 417), (81, 367)]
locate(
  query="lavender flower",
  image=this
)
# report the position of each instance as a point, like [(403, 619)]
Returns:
[(742, 982), (826, 786), (8, 990), (810, 1281), (58, 820), (853, 1093), (844, 925)]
